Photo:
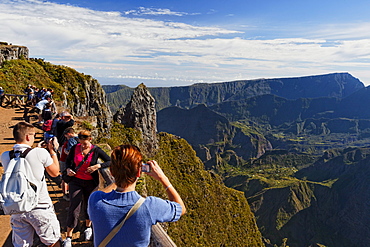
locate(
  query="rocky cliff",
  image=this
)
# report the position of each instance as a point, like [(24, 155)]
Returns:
[(93, 105), (140, 114), (82, 95), (11, 52), (211, 134)]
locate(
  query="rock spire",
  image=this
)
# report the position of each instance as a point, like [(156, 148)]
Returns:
[(140, 114)]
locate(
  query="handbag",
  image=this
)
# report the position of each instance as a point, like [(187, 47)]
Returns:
[(109, 237), (66, 178)]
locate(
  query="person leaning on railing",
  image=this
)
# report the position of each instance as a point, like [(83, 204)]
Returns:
[(106, 210)]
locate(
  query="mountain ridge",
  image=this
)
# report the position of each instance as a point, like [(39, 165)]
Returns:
[(329, 85)]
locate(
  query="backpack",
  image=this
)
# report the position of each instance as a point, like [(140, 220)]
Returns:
[(47, 125), (18, 186)]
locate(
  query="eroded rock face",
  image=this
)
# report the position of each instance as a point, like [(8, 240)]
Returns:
[(93, 105), (10, 52), (202, 126), (140, 114)]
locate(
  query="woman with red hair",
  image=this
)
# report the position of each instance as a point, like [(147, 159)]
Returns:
[(106, 210)]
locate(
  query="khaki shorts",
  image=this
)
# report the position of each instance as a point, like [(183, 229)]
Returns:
[(42, 221)]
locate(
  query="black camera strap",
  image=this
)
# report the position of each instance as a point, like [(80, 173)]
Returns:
[(84, 159)]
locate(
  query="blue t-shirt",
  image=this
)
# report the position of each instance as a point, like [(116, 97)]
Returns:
[(106, 210)]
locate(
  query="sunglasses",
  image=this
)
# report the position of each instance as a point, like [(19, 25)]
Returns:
[(83, 136)]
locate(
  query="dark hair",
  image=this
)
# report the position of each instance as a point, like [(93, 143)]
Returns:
[(125, 164), (21, 129), (69, 130)]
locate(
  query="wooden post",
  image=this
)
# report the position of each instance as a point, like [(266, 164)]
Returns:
[(159, 238)]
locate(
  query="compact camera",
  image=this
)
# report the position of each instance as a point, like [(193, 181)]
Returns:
[(48, 140), (48, 137), (145, 167)]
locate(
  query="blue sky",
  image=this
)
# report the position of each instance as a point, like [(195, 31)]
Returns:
[(175, 43)]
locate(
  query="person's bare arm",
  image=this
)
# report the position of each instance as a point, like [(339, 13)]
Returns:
[(53, 169), (157, 173)]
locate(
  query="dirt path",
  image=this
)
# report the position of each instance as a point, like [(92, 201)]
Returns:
[(8, 118)]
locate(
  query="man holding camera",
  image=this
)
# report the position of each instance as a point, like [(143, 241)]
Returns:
[(41, 220)]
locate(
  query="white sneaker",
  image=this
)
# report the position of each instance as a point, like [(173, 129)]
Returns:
[(88, 233), (67, 242)]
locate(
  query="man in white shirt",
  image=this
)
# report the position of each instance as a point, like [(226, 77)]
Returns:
[(40, 106), (42, 219)]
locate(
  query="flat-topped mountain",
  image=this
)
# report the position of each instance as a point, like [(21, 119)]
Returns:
[(338, 85)]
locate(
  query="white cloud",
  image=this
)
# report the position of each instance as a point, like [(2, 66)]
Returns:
[(348, 31), (107, 44), (141, 11)]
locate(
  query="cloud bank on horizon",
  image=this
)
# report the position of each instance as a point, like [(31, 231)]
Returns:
[(169, 47)]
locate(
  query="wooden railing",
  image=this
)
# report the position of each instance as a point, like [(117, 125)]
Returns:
[(159, 238), (14, 100)]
